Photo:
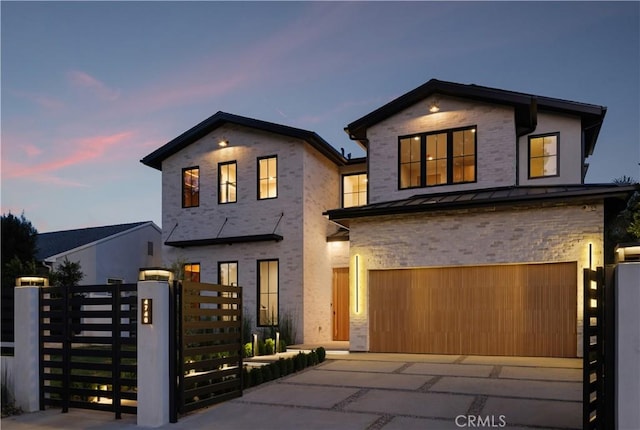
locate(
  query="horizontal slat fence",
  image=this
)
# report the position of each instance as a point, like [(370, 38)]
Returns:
[(210, 345), (88, 356)]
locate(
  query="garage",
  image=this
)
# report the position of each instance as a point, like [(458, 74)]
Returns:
[(516, 310)]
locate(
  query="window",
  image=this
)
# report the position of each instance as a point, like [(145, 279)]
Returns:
[(267, 292), (354, 190), (437, 158), (227, 182), (192, 272), (228, 273), (112, 281), (190, 187), (150, 248), (543, 155), (267, 178)]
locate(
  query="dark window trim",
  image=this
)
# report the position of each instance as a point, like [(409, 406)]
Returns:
[(258, 178), (423, 165), (220, 263), (182, 185), (226, 163), (258, 292), (342, 187), (534, 136)]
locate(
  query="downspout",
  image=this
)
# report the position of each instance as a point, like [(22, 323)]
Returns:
[(532, 124)]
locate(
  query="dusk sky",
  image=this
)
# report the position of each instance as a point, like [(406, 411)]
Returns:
[(88, 89)]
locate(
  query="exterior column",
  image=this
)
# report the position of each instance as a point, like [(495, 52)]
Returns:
[(628, 346), (26, 349), (153, 355)]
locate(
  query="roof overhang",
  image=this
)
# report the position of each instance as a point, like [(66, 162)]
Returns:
[(156, 158), (525, 107), (225, 240), (487, 198)]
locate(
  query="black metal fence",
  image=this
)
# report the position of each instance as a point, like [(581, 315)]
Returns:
[(6, 316), (599, 346), (209, 339), (88, 347)]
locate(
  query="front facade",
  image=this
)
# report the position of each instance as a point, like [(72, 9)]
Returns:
[(464, 231)]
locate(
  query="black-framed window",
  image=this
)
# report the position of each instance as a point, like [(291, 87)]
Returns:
[(268, 177), (227, 182), (354, 190), (228, 273), (190, 187), (192, 272), (437, 158), (268, 280), (544, 150)]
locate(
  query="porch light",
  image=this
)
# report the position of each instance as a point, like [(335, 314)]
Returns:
[(155, 274), (434, 107), (223, 143), (32, 281)]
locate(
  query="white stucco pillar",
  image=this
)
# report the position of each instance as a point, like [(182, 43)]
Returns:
[(26, 350), (153, 356), (628, 346)]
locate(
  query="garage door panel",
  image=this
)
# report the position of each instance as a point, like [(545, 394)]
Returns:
[(490, 310)]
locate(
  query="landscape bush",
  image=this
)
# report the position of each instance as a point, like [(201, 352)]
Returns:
[(284, 366)]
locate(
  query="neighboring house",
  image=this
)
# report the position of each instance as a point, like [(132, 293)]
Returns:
[(107, 254), (465, 230)]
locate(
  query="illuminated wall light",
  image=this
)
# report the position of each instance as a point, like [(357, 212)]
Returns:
[(434, 107), (223, 143), (357, 284)]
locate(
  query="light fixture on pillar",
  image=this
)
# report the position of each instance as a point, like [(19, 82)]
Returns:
[(32, 281), (434, 106), (155, 274)]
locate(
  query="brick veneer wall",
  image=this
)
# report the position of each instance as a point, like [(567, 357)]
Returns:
[(552, 233)]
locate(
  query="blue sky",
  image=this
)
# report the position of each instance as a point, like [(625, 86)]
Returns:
[(90, 88)]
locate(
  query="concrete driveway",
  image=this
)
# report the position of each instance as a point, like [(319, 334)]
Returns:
[(382, 391)]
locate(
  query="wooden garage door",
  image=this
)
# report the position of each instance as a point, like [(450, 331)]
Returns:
[(526, 310)]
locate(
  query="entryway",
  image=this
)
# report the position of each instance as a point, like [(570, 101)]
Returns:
[(340, 304)]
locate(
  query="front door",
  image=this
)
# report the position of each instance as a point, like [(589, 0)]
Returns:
[(341, 303)]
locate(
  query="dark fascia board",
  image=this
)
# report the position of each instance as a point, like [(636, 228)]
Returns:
[(226, 240), (155, 158), (569, 194), (592, 115)]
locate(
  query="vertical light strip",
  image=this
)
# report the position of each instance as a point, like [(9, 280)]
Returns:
[(590, 255), (357, 284)]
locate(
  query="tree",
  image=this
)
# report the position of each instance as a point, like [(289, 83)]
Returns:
[(18, 248), (625, 227), (68, 273)]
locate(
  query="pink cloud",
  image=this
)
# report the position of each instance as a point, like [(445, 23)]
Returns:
[(78, 151), (84, 80)]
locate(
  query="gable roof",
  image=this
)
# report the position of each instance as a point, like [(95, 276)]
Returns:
[(526, 107), (58, 242), (487, 197), (220, 118)]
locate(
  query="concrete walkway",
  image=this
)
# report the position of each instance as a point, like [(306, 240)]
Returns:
[(382, 391)]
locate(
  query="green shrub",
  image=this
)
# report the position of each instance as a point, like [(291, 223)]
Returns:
[(248, 350), (261, 347), (312, 358), (322, 354), (290, 365), (275, 370), (267, 375), (282, 364), (256, 376), (246, 378), (269, 347), (283, 345), (300, 361)]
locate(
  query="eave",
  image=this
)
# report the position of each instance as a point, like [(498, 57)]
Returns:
[(225, 240)]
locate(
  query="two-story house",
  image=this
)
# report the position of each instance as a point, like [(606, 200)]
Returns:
[(243, 203), (464, 230)]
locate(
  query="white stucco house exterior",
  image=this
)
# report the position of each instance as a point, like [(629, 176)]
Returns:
[(107, 254), (464, 230)]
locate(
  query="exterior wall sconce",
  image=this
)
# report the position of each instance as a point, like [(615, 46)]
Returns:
[(32, 281), (155, 274), (434, 106), (357, 283), (627, 252), (223, 143)]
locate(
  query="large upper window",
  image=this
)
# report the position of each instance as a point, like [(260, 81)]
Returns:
[(227, 182), (354, 190), (190, 187), (543, 155), (437, 158), (267, 292), (268, 177)]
